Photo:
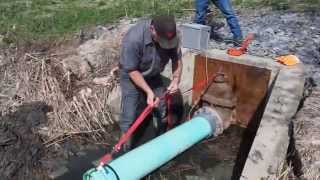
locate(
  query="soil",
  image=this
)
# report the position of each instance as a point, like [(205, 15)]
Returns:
[(20, 146)]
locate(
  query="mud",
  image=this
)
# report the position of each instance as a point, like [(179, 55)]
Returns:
[(20, 145)]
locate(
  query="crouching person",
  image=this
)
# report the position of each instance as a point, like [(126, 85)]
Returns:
[(146, 49)]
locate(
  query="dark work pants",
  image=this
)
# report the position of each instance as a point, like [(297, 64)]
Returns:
[(134, 100)]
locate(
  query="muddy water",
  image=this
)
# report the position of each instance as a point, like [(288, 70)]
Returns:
[(77, 166), (210, 159)]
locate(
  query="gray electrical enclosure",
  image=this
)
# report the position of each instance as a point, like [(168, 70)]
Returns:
[(195, 36)]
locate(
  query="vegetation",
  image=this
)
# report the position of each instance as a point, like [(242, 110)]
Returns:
[(34, 20), (43, 19), (298, 5)]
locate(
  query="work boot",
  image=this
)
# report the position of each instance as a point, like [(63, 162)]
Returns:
[(215, 25), (236, 41), (216, 36)]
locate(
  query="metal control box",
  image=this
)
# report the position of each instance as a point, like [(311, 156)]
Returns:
[(195, 36)]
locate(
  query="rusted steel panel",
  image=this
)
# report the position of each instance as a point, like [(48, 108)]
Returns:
[(249, 84)]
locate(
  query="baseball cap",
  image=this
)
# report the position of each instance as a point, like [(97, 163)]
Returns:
[(165, 27)]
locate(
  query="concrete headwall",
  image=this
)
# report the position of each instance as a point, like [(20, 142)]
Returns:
[(269, 148)]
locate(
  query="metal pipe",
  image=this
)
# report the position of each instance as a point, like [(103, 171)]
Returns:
[(144, 159)]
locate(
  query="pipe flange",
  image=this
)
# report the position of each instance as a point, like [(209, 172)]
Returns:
[(213, 117)]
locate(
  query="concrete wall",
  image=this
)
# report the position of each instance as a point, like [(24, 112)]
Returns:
[(269, 147)]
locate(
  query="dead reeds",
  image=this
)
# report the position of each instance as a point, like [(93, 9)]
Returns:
[(75, 110)]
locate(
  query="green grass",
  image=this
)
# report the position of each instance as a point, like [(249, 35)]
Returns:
[(296, 5), (43, 20), (38, 20)]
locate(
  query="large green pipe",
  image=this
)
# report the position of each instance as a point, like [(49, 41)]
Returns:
[(144, 159)]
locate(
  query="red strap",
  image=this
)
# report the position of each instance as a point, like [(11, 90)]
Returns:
[(106, 158), (168, 98), (134, 126)]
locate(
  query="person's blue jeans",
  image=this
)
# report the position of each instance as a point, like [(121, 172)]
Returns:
[(225, 7)]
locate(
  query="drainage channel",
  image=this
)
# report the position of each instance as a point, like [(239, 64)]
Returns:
[(211, 158)]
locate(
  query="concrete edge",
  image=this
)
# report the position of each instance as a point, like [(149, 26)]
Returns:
[(269, 149)]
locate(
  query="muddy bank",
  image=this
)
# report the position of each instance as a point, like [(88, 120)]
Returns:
[(21, 147)]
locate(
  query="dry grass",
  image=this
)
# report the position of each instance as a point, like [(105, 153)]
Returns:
[(86, 112), (284, 172), (79, 106), (75, 110)]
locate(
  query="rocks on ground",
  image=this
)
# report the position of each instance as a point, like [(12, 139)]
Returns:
[(280, 33), (95, 55)]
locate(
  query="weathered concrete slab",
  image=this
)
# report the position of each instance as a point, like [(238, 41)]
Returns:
[(270, 145), (269, 148)]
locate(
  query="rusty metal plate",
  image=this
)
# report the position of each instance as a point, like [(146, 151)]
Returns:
[(249, 83)]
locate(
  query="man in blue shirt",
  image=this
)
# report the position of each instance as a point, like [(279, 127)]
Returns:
[(146, 49), (226, 8)]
